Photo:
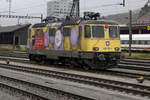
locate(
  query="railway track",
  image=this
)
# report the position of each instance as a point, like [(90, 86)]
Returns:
[(104, 72), (16, 54), (125, 64), (129, 88), (36, 91), (141, 62), (132, 64), (29, 95), (135, 64)]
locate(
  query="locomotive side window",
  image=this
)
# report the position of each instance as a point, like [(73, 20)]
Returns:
[(67, 31), (39, 33), (52, 32), (87, 31), (98, 31), (80, 30), (113, 32)]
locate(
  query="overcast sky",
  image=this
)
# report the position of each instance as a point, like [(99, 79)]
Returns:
[(37, 7)]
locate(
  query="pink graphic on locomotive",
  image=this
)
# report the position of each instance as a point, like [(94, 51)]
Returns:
[(39, 39)]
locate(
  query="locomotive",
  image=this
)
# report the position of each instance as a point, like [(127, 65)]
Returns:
[(91, 44)]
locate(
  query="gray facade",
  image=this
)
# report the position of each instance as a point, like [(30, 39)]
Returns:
[(59, 8)]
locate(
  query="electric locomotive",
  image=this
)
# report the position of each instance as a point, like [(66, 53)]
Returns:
[(92, 44)]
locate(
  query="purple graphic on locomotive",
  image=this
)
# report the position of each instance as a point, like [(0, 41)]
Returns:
[(46, 39), (73, 37), (29, 45), (52, 39)]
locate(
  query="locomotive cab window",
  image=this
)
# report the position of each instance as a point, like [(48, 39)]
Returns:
[(87, 31), (39, 33), (113, 32), (98, 31), (66, 31), (52, 32)]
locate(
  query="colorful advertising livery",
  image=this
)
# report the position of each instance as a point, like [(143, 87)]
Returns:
[(93, 43)]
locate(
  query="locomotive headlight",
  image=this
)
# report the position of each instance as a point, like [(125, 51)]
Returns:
[(95, 48), (117, 49)]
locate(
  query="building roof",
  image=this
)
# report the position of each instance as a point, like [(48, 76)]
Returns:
[(145, 18), (123, 18), (7, 29), (98, 22)]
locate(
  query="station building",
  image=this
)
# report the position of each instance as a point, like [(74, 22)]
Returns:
[(139, 23), (10, 35)]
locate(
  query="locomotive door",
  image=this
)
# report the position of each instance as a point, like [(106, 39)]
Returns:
[(39, 39)]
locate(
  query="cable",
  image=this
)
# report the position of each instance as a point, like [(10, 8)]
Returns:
[(25, 8), (111, 5)]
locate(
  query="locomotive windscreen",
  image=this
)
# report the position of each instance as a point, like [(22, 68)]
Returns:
[(113, 32), (98, 31)]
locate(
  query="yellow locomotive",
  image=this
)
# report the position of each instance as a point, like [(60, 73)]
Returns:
[(91, 44)]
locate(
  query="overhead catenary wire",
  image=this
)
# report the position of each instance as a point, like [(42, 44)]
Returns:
[(25, 8), (102, 9), (89, 8), (111, 5), (114, 9)]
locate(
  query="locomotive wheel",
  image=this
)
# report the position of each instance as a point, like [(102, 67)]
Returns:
[(71, 66), (43, 62), (86, 67), (31, 57)]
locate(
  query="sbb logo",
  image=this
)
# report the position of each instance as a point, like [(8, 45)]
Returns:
[(107, 43)]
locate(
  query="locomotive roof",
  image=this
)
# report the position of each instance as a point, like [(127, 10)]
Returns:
[(39, 25), (74, 23), (99, 22)]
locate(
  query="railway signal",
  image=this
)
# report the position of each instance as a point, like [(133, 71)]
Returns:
[(123, 3)]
